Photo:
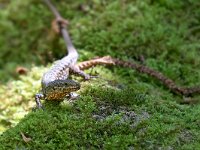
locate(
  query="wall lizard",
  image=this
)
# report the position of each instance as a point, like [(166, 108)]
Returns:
[(55, 82)]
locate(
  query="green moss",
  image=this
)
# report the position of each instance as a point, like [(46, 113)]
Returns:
[(122, 109)]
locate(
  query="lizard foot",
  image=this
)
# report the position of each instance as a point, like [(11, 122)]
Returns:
[(73, 96), (38, 98)]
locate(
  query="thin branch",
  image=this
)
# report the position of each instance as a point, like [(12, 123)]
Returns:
[(167, 82)]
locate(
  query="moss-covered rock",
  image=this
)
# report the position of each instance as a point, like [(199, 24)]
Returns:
[(122, 109)]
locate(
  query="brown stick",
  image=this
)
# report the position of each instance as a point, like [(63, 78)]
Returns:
[(107, 60)]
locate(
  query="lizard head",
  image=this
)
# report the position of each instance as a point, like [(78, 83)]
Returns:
[(58, 89)]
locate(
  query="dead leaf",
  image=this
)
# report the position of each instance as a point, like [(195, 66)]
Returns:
[(21, 70), (26, 139)]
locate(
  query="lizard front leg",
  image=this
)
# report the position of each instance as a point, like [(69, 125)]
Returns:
[(38, 98)]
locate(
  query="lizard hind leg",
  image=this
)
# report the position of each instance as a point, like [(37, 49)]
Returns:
[(77, 71)]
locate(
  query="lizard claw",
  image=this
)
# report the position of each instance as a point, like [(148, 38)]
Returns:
[(73, 96), (94, 76), (38, 107), (88, 77)]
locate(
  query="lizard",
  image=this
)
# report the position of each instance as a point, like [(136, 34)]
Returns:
[(55, 82)]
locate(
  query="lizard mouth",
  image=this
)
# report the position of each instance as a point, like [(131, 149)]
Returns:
[(60, 88)]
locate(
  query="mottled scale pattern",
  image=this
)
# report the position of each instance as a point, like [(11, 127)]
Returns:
[(60, 70)]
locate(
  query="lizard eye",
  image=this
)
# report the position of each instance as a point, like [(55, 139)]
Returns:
[(66, 83)]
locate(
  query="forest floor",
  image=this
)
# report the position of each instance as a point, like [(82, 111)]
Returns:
[(121, 109)]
